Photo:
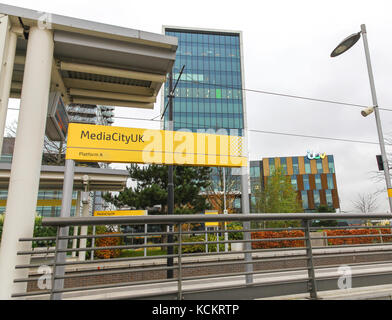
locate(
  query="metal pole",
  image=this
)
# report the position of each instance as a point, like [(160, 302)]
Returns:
[(377, 116), (180, 295), (66, 205), (145, 239), (52, 297), (312, 284), (76, 228), (170, 185), (84, 229), (246, 224), (225, 209), (206, 229), (217, 240), (92, 252)]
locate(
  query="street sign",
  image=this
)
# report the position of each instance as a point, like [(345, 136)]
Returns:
[(91, 143), (380, 163), (57, 121), (121, 213)]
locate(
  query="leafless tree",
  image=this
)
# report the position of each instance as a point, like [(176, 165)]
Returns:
[(53, 152), (366, 202), (379, 176), (215, 192)]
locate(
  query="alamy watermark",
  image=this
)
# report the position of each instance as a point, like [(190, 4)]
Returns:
[(45, 281), (345, 279)]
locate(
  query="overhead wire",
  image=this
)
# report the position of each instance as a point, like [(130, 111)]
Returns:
[(187, 124), (261, 131)]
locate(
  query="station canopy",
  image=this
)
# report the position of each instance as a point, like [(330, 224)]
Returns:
[(97, 63), (52, 178)]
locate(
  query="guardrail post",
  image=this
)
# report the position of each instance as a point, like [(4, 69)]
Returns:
[(248, 253), (312, 285), (180, 296), (54, 270)]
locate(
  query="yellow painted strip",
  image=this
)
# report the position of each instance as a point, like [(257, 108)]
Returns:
[(390, 193), (43, 203), (121, 213), (212, 224), (128, 145)]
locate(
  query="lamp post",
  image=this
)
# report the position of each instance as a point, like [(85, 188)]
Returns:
[(345, 45)]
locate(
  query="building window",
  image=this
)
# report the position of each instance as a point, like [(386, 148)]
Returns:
[(283, 164), (318, 182), (305, 201), (331, 164), (320, 166), (272, 166), (331, 185), (316, 195), (295, 165), (328, 194), (255, 172), (308, 168), (306, 182), (294, 182)]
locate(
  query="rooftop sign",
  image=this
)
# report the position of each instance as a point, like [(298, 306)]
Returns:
[(311, 155), (128, 145)]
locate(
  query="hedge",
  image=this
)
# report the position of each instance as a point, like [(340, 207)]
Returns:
[(280, 243), (358, 240), (330, 233), (108, 242)]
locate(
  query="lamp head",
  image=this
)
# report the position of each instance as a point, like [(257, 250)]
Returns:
[(346, 44), (367, 112)]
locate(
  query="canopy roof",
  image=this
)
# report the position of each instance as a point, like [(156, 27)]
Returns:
[(52, 178), (96, 63)]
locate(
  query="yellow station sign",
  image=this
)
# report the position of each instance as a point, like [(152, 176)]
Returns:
[(212, 224), (121, 213), (91, 143)]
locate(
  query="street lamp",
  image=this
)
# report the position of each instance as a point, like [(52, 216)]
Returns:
[(345, 45)]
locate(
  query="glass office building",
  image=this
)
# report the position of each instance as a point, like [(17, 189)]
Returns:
[(209, 94)]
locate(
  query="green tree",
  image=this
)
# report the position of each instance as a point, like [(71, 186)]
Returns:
[(325, 223), (278, 196), (152, 185)]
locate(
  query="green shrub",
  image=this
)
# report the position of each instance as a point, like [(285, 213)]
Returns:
[(39, 232), (235, 235), (200, 248)]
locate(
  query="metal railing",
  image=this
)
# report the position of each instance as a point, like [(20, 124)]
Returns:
[(200, 265)]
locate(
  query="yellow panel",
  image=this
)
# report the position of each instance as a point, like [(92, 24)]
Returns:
[(290, 170), (212, 224), (277, 162), (301, 164), (325, 165), (121, 213), (43, 203), (266, 167), (92, 143)]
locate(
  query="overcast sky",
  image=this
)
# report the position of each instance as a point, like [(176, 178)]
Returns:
[(287, 46)]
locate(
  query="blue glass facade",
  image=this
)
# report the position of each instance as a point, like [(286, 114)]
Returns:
[(209, 94)]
